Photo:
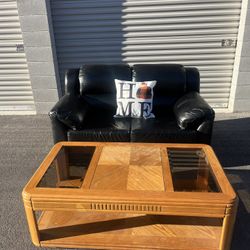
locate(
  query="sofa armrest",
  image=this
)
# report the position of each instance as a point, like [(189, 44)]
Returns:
[(70, 110), (193, 112), (59, 130)]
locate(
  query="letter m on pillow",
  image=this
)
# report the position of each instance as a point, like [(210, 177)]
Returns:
[(124, 108)]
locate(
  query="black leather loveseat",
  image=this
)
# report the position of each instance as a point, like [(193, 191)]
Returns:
[(85, 112)]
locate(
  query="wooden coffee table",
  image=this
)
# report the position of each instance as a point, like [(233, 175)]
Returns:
[(130, 196)]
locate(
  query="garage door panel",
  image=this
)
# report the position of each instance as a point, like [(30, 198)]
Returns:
[(15, 86), (192, 33)]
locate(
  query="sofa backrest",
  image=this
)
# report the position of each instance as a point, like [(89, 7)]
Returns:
[(97, 87), (171, 83), (99, 79), (192, 79)]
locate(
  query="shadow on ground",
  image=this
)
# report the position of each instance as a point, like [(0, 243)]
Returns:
[(231, 142)]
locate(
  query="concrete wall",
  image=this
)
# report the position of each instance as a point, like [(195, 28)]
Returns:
[(242, 97), (40, 52)]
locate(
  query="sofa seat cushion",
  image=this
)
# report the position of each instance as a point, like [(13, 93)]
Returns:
[(117, 130), (162, 130)]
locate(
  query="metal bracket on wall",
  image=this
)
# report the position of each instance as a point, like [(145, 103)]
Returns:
[(229, 43), (19, 48)]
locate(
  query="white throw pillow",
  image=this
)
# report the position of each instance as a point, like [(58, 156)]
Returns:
[(134, 99)]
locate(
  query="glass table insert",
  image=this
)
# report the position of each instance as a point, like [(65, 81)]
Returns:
[(68, 169), (191, 170), (131, 168)]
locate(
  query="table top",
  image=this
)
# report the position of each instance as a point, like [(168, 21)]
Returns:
[(128, 173)]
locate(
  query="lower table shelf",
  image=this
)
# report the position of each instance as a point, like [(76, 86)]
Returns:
[(127, 231)]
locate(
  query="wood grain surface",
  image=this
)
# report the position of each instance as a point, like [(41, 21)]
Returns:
[(123, 231), (129, 168)]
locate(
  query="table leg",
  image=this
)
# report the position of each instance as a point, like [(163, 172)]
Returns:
[(227, 227), (32, 223)]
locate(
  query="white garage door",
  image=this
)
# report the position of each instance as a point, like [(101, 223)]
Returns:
[(190, 32), (15, 87)]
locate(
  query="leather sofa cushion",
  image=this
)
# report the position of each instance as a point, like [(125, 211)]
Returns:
[(161, 130), (99, 79), (192, 79), (171, 84), (117, 130), (97, 86), (101, 105), (171, 78)]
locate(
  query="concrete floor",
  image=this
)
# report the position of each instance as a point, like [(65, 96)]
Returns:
[(25, 140)]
